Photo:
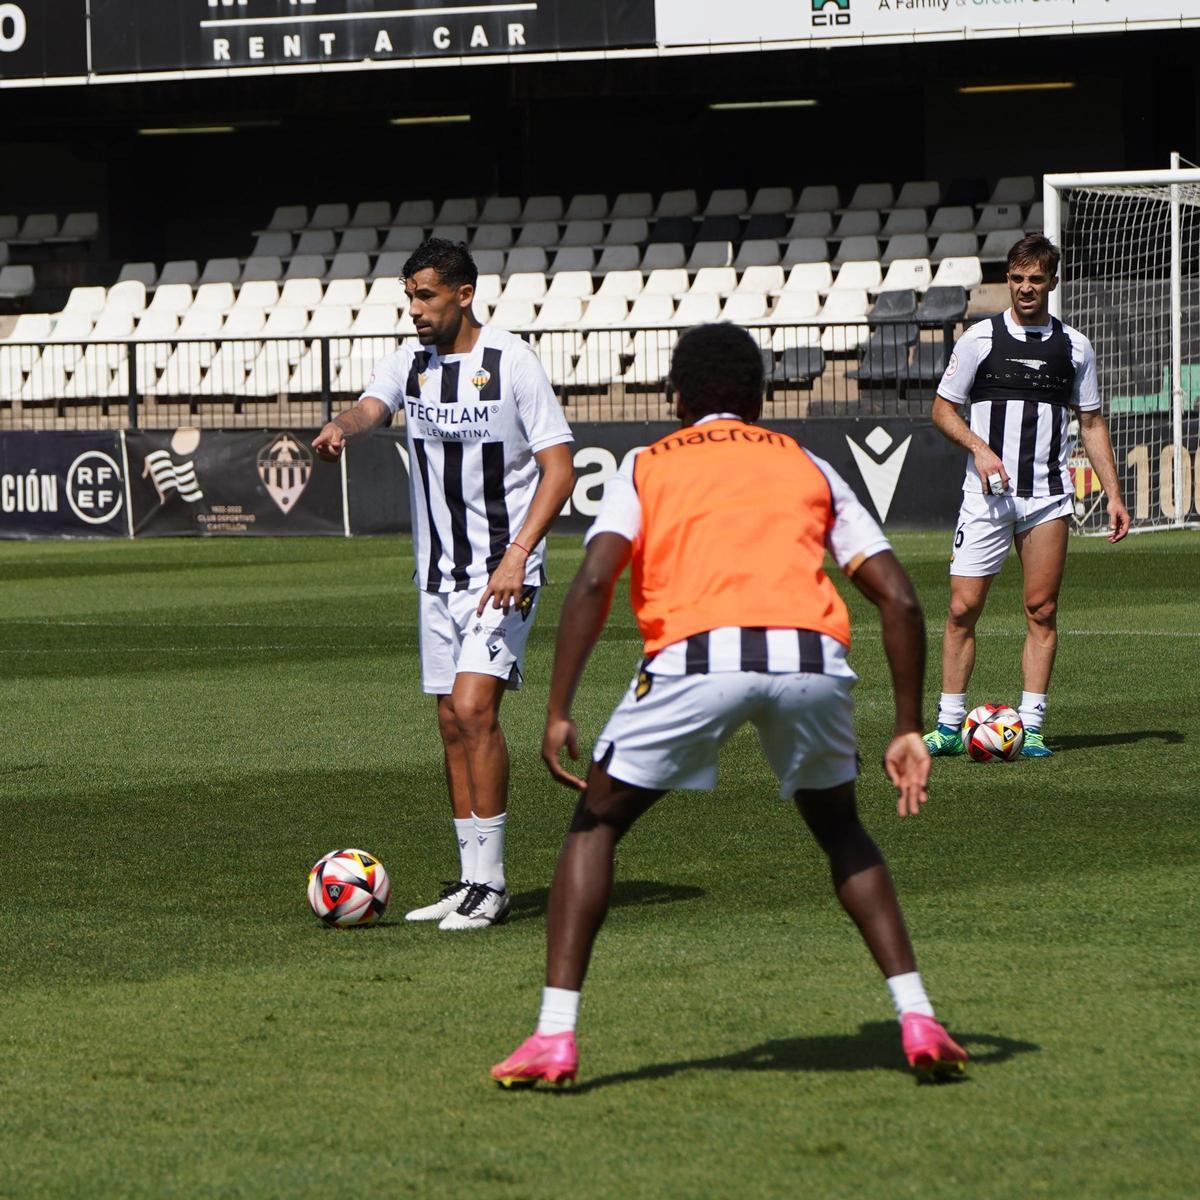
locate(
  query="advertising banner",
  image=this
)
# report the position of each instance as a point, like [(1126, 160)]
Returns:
[(761, 22), (62, 485), (43, 38), (223, 483)]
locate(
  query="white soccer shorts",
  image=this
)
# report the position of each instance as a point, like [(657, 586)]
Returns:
[(454, 639), (668, 729), (987, 524)]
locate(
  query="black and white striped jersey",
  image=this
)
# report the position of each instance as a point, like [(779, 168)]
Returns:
[(1022, 383), (474, 423)]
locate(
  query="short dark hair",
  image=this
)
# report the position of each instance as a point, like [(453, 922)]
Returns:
[(451, 260), (1034, 248), (718, 368)]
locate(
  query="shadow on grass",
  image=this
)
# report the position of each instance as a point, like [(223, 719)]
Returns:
[(626, 893), (1084, 741), (876, 1047)]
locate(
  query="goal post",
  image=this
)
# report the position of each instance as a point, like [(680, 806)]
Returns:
[(1130, 280)]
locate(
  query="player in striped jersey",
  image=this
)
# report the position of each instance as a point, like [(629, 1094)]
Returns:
[(726, 526), (1025, 376), (490, 467)]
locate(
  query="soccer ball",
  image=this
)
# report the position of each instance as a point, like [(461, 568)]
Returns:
[(348, 887), (993, 732)]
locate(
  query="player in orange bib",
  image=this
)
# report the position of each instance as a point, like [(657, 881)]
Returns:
[(726, 525)]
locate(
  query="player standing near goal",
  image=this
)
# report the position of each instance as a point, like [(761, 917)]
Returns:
[(490, 468), (1024, 374), (727, 526)]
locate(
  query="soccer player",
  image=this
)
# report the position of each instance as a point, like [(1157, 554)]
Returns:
[(1024, 375), (727, 525), (490, 468)]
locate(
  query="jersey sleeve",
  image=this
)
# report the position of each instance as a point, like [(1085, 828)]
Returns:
[(620, 510), (969, 351), (854, 535), (1086, 396), (388, 381), (541, 414)]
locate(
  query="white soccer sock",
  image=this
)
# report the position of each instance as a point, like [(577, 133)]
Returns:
[(908, 994), (489, 850), (560, 1010), (464, 831), (1033, 709), (952, 709)]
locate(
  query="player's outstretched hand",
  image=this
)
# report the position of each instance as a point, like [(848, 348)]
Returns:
[(506, 585), (561, 732), (330, 442), (907, 763), (1118, 520)]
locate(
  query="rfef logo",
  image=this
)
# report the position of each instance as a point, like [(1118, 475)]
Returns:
[(94, 488), (822, 17)]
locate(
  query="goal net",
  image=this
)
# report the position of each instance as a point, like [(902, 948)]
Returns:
[(1130, 280)]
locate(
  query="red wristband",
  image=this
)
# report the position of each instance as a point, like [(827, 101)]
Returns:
[(520, 547)]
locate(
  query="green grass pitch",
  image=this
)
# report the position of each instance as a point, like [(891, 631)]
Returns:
[(189, 724)]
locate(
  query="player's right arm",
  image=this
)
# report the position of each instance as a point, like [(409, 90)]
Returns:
[(369, 413), (954, 391)]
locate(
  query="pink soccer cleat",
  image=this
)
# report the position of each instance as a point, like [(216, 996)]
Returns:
[(542, 1058), (930, 1050)]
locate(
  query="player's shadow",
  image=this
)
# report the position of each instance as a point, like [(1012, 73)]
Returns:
[(1085, 741), (626, 893), (876, 1047)]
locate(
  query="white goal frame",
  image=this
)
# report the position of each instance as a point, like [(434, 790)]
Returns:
[(1056, 205)]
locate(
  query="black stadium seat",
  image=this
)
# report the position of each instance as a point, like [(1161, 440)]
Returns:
[(673, 229), (941, 304), (766, 226), (800, 365), (894, 306), (720, 229), (928, 362)]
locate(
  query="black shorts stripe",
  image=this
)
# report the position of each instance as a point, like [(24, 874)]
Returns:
[(754, 650), (812, 654), (696, 658), (433, 574), (1028, 453)]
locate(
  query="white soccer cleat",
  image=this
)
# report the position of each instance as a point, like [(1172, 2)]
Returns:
[(453, 891), (480, 907)]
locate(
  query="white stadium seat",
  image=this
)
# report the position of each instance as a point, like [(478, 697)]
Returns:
[(625, 231), (573, 260), (651, 310), (35, 229), (78, 227), (288, 217), (811, 225), (488, 287), (180, 270), (954, 245), (630, 204), (492, 237), (570, 284), (998, 216), (375, 319), (762, 278), (668, 282), (365, 241), (351, 293), (371, 214), (542, 208), (352, 265), (269, 267), (681, 203), (958, 272), (905, 220), (414, 212), (88, 300), (768, 200), (872, 196), (818, 198), (727, 202), (795, 307), (710, 254), (72, 327), (299, 293), (603, 311), (539, 233), (858, 275), (525, 260), (809, 277), (460, 211), (582, 233), (905, 245), (1014, 189), (329, 216), (745, 308), (626, 284), (805, 250), (587, 206), (526, 285), (757, 252), (273, 241), (905, 274), (955, 218), (997, 244), (500, 210), (316, 241), (612, 259), (857, 249), (512, 314), (559, 312), (858, 223), (258, 294), (128, 296), (145, 273), (329, 321), (663, 256), (696, 310), (714, 281), (213, 297), (922, 193)]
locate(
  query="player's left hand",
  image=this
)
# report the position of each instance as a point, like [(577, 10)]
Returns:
[(561, 732), (907, 763), (1118, 520), (506, 585)]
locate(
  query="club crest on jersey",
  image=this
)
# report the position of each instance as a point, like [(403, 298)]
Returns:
[(644, 683), (421, 378), (481, 378), (525, 606)]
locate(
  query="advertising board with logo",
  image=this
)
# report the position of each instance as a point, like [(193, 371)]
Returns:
[(62, 485)]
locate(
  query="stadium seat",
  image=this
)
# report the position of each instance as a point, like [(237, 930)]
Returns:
[(998, 216), (274, 242), (180, 270), (1035, 218), (35, 229), (257, 294), (386, 289), (358, 241), (809, 276), (572, 260), (283, 322), (858, 223), (905, 246), (627, 284), (373, 319), (299, 293), (201, 323), (4, 254), (89, 300), (764, 226), (603, 311), (156, 327), (681, 203), (905, 220), (488, 287), (542, 208), (9, 225), (727, 202), (818, 198), (559, 312), (713, 281), (954, 245), (488, 262), (330, 320), (619, 259), (389, 264), (696, 310), (501, 210), (301, 266), (872, 196), (587, 206), (72, 327), (745, 308), (805, 250), (652, 352), (557, 356), (244, 322), (525, 259), (928, 361), (30, 327), (171, 299), (958, 218), (795, 307), (288, 217), (666, 281), (570, 284), (846, 305), (413, 212), (350, 293), (77, 227), (625, 231), (769, 200), (492, 237), (221, 270), (512, 313), (757, 253), (582, 233), (650, 310), (997, 244), (923, 193), (598, 365), (798, 365), (213, 297), (539, 233), (316, 241), (710, 254), (958, 272), (858, 275), (764, 278), (718, 229), (48, 374), (403, 238), (942, 304), (663, 256), (857, 249), (817, 224), (146, 273), (352, 265), (128, 296), (629, 204), (459, 211), (897, 305), (449, 232), (906, 274), (329, 216), (525, 285), (882, 362), (371, 214), (1013, 189)]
